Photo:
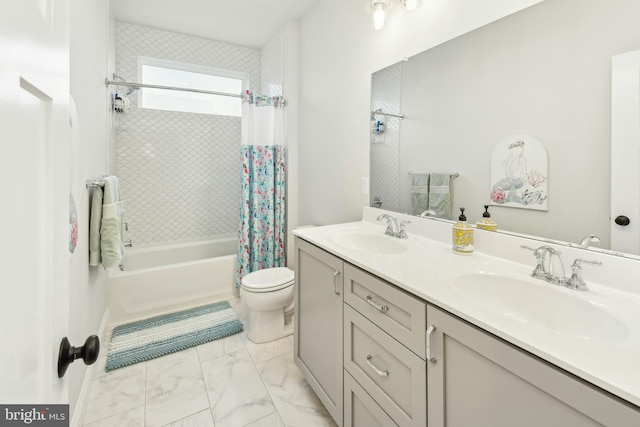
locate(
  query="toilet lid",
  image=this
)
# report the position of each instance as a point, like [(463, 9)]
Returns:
[(268, 279)]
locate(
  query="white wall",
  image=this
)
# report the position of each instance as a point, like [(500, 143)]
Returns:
[(87, 291), (338, 53)]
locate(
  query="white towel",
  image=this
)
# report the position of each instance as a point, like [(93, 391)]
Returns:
[(440, 194)]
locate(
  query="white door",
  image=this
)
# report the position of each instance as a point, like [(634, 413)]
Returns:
[(625, 152), (34, 209)]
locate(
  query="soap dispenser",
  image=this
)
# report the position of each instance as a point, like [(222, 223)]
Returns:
[(486, 223), (462, 236)]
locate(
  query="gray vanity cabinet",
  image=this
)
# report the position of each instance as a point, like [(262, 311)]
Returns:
[(318, 324), (478, 379), (378, 355)]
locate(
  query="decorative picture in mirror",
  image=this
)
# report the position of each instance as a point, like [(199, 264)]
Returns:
[(519, 173)]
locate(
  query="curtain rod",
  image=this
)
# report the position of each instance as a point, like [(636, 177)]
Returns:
[(108, 82), (380, 112)]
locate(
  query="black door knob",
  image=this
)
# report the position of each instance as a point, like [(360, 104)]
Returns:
[(622, 220), (88, 352)]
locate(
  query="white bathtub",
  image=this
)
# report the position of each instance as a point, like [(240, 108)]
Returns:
[(157, 279)]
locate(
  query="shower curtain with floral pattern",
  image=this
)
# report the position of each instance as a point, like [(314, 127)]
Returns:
[(261, 237)]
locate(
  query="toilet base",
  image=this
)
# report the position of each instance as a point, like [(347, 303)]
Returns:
[(266, 326)]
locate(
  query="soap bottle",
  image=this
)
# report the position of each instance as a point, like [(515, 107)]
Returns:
[(486, 223), (462, 236)]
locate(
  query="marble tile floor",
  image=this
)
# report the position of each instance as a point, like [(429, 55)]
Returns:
[(230, 382)]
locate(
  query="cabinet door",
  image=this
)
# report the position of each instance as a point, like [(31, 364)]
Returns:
[(318, 323), (478, 379), (360, 410)]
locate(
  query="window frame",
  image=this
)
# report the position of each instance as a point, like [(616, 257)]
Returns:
[(183, 66)]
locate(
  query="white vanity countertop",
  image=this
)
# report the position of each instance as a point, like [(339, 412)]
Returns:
[(429, 269)]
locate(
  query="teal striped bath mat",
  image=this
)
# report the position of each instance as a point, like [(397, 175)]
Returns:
[(157, 336)]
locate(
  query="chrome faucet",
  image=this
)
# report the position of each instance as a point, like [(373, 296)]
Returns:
[(543, 272), (584, 243), (393, 229), (392, 225), (546, 273)]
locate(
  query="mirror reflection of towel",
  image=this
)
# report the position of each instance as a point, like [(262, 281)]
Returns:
[(419, 193), (440, 194)]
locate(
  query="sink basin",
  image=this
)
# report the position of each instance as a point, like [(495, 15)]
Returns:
[(365, 241), (542, 306)]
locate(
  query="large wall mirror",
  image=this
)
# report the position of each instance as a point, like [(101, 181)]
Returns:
[(543, 73)]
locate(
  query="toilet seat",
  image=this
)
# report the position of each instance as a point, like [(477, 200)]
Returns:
[(268, 280)]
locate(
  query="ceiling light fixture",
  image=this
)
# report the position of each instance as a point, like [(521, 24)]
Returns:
[(377, 9), (411, 4)]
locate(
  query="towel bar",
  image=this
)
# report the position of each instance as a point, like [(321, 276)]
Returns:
[(93, 183), (453, 175)]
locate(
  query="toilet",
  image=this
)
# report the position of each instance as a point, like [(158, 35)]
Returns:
[(269, 295)]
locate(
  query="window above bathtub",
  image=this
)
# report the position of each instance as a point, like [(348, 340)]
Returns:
[(170, 73)]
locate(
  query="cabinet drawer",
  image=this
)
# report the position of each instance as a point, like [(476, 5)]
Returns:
[(401, 315), (389, 372), (360, 410)]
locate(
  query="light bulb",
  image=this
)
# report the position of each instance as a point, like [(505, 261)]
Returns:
[(379, 16), (411, 4)]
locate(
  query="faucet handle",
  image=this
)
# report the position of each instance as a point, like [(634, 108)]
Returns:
[(575, 281), (540, 272), (578, 261), (402, 234)]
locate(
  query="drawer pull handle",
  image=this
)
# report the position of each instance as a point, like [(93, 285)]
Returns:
[(382, 308), (378, 371), (430, 330), (335, 282)]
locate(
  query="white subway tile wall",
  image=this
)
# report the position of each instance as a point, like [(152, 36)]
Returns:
[(271, 66), (385, 94), (179, 172)]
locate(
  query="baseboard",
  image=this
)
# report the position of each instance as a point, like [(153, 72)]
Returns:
[(78, 415)]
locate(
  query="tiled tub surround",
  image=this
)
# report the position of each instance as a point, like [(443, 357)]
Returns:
[(179, 172), (385, 148), (229, 382), (428, 270)]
